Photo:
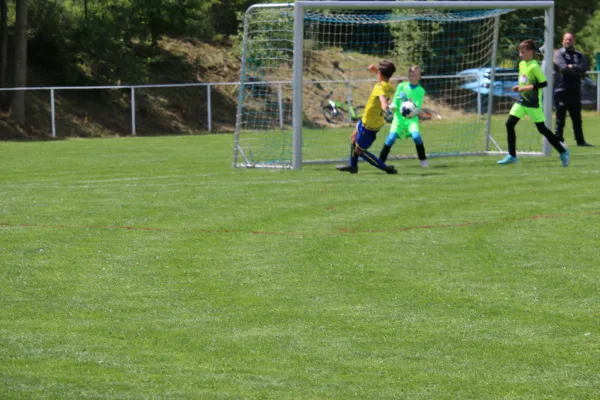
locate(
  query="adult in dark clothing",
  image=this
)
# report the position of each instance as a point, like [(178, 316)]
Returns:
[(570, 66)]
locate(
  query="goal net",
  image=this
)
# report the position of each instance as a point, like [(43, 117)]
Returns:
[(468, 57)]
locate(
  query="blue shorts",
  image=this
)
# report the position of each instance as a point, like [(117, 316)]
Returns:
[(365, 137)]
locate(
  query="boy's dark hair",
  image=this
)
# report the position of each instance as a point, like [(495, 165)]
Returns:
[(527, 45), (387, 68)]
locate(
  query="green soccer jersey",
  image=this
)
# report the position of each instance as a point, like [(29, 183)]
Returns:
[(405, 91), (530, 73)]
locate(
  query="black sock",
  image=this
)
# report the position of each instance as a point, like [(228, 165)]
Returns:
[(511, 136), (385, 151), (421, 151), (552, 139)]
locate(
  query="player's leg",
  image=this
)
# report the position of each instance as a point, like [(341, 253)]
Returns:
[(511, 134), (387, 146), (415, 133), (537, 116), (552, 139), (363, 143), (516, 113), (352, 167), (391, 139), (561, 115)]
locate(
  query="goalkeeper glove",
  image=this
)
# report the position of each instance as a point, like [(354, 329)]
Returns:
[(389, 116)]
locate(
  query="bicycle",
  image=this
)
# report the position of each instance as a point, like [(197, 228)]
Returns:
[(427, 114), (335, 112)]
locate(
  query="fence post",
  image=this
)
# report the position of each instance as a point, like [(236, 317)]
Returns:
[(132, 111), (208, 99), (598, 90), (479, 87), (349, 103), (52, 112), (280, 104), (598, 81)]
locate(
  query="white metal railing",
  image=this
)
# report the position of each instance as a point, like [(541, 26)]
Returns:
[(210, 85)]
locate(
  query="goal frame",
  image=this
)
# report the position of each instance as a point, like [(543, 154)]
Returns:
[(301, 6)]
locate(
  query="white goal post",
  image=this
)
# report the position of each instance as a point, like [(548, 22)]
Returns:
[(294, 53)]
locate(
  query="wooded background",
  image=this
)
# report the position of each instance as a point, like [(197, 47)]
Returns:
[(96, 42)]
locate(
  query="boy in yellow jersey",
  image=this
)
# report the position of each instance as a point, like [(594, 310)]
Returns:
[(531, 80), (366, 129)]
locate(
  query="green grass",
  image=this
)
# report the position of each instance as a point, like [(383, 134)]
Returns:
[(448, 136), (148, 267)]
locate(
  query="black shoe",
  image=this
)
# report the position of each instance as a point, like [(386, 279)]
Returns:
[(390, 169), (585, 144), (347, 168)]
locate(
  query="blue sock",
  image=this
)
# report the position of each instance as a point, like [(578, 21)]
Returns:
[(374, 161)]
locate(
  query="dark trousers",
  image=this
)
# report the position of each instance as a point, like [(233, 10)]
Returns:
[(512, 121), (569, 100)]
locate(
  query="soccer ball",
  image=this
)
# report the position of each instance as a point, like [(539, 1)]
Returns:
[(409, 109)]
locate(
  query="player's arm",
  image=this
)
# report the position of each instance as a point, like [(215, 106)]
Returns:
[(540, 81), (395, 106), (540, 78), (380, 92), (418, 100), (526, 88), (384, 102)]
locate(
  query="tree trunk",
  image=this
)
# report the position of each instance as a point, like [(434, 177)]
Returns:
[(18, 105), (3, 50)]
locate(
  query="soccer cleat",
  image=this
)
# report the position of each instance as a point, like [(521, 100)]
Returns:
[(585, 144), (424, 164), (390, 169), (565, 157), (508, 160), (347, 168)]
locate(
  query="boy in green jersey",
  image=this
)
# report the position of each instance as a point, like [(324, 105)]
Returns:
[(531, 81), (403, 127)]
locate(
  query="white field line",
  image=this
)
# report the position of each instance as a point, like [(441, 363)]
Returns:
[(414, 175)]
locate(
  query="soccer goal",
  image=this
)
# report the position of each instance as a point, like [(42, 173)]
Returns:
[(304, 78)]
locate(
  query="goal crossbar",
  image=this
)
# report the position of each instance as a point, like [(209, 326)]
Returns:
[(465, 5)]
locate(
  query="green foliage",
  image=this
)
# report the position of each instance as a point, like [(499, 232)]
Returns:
[(267, 30), (588, 40), (411, 42), (100, 44), (573, 15), (106, 54)]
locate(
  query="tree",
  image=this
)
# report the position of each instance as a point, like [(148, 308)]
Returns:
[(3, 48), (573, 15), (588, 40), (18, 106)]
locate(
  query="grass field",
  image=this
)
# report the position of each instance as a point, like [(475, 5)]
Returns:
[(149, 268)]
